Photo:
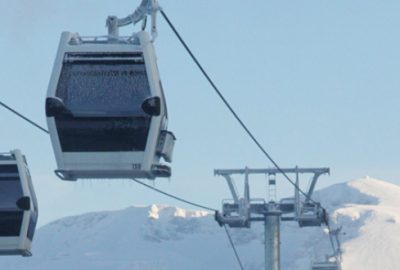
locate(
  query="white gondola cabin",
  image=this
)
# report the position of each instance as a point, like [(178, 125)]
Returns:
[(18, 205), (106, 110)]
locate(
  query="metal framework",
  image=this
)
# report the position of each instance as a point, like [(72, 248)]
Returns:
[(146, 7), (240, 212), (333, 261)]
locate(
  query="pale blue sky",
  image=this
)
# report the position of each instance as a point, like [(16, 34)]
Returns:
[(316, 81)]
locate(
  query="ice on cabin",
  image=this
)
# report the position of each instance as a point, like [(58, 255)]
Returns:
[(104, 88)]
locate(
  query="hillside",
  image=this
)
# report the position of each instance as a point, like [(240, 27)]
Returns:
[(165, 237)]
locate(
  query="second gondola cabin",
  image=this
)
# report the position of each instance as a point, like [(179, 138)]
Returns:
[(18, 205), (106, 109)]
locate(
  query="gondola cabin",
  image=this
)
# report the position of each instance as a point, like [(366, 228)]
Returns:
[(18, 205), (311, 215), (106, 110)]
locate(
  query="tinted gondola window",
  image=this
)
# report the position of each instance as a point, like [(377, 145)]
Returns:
[(103, 134), (105, 98), (104, 88), (10, 192)]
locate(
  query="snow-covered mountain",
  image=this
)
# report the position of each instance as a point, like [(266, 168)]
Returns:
[(164, 237)]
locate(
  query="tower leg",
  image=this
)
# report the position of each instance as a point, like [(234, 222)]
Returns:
[(272, 240)]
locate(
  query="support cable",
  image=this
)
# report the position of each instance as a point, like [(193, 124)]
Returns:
[(230, 108), (24, 117), (233, 247), (236, 116)]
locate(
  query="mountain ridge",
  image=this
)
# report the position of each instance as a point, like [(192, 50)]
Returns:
[(168, 237)]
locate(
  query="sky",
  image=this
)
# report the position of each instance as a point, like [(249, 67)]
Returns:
[(316, 82)]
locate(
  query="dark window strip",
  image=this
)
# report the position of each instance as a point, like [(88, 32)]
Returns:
[(9, 178), (10, 223), (9, 168)]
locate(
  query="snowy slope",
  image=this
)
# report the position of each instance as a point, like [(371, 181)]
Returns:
[(163, 237), (371, 221)]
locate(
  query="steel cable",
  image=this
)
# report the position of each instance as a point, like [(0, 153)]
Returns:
[(24, 117), (230, 108)]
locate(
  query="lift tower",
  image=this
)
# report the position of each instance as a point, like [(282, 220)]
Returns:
[(240, 212)]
